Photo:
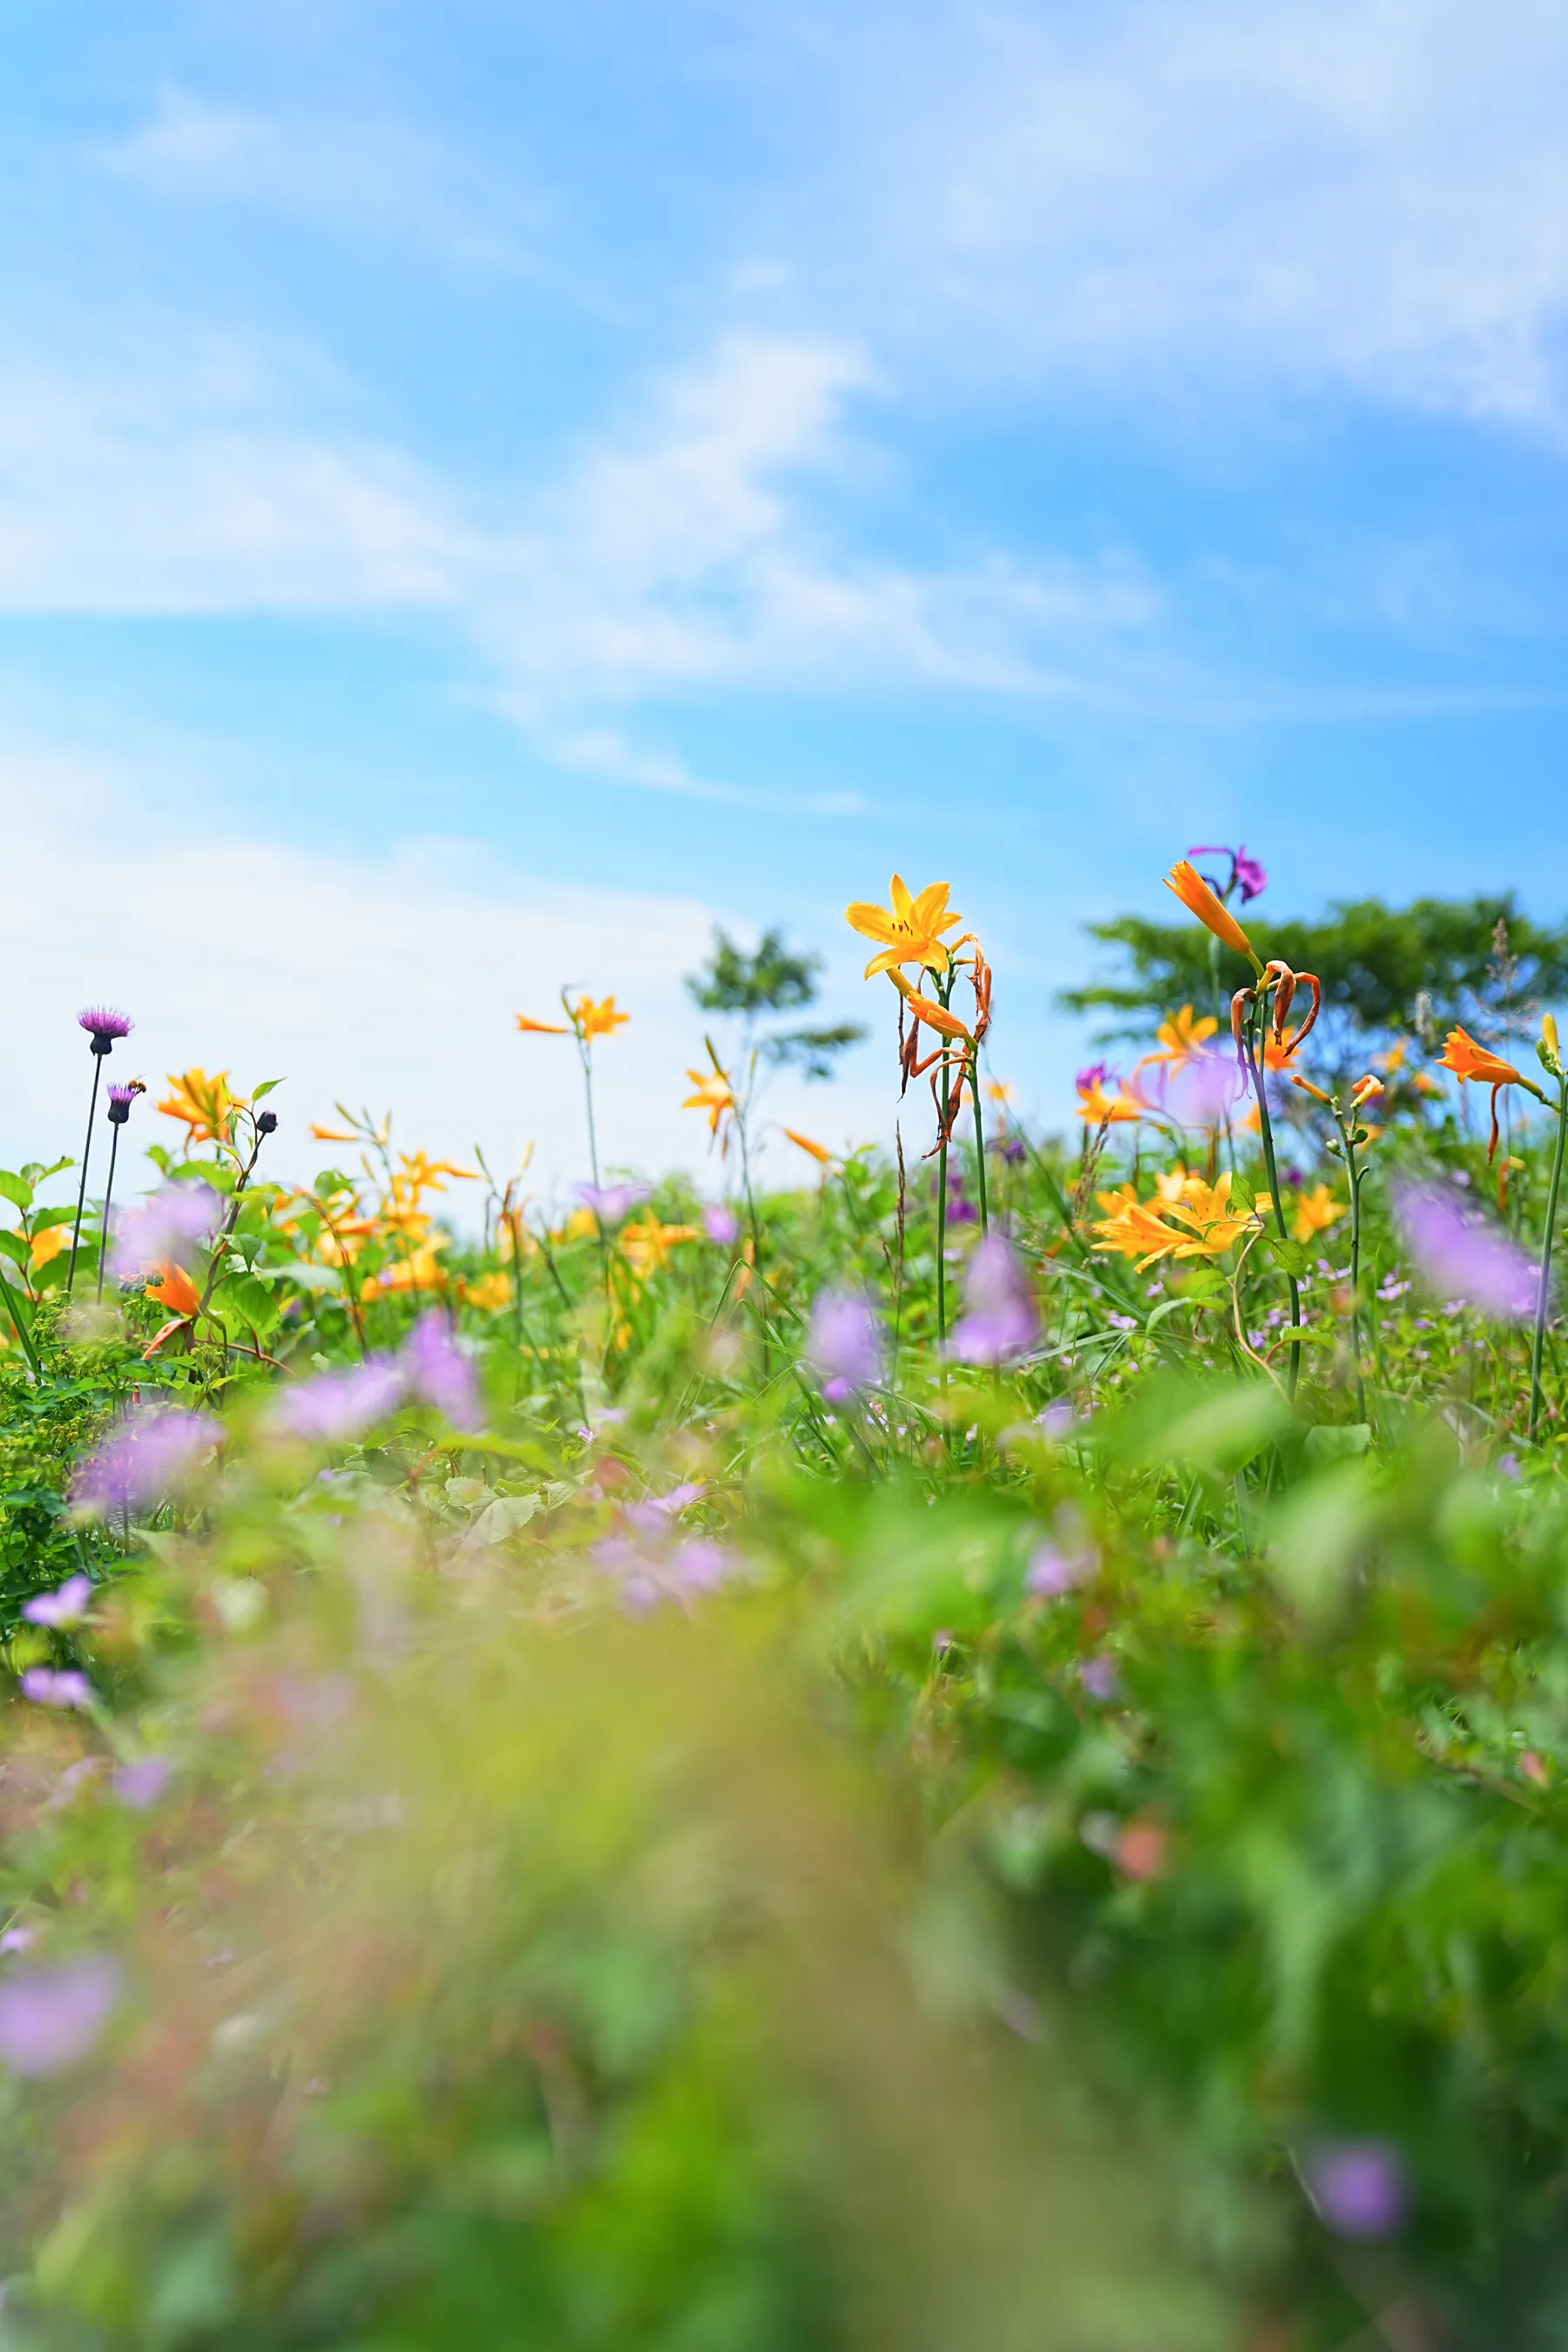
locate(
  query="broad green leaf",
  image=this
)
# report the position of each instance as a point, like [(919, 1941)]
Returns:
[(1288, 1254), (15, 1188), (1241, 1194), (266, 1087), (15, 1247)]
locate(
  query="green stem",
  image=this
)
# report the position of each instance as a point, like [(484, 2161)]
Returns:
[(24, 1336), (1267, 1129), (86, 1155), (1540, 1304), (1347, 1130), (108, 1199), (979, 1138)]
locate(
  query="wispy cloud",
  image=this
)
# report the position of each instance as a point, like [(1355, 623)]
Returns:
[(353, 177)]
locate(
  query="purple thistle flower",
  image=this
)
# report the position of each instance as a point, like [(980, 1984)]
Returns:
[(438, 1372), (1358, 2188), (843, 1344), (1459, 1255), (49, 2017), (66, 1606), (140, 1783), (150, 1452), (45, 1688), (338, 1405), (720, 1225), (611, 1202), (121, 1098), (1000, 1319), (103, 1025), (167, 1229)]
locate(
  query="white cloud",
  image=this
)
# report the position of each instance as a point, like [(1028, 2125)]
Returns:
[(1365, 193), (333, 175), (384, 981)]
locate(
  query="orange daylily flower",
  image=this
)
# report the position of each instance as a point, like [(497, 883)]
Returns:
[(205, 1105), (1315, 1211), (488, 1292), (1194, 894), (591, 1019), (935, 1016), (333, 1134), (1364, 1091), (646, 1243), (542, 1028), (1465, 1059), (1309, 1088), (818, 1151), (997, 1090), (1101, 1109), (714, 1095), (1182, 1036), (48, 1245), (175, 1288), (910, 931)]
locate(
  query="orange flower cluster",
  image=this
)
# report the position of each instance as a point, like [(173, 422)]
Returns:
[(1205, 1222)]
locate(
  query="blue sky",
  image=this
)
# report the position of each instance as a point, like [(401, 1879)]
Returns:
[(485, 492)]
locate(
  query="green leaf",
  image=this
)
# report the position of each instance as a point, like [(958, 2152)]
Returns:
[(266, 1087), (1338, 1443), (47, 1219), (1288, 1254), (17, 1188), (15, 1247), (1242, 1195)]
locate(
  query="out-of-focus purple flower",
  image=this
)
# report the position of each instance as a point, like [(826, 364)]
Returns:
[(438, 1373), (103, 1025), (1460, 1255), (336, 1406), (656, 1511), (1508, 1466), (720, 1225), (700, 1566), (149, 1454), (843, 1344), (960, 1211), (1056, 1419), (1358, 2187), (1246, 873), (46, 1686), (140, 1784), (1010, 1147), (49, 2017), (1053, 1571), (1098, 1676), (1205, 1089), (169, 1229), (1000, 1319), (18, 1939), (66, 1606), (1097, 1074), (611, 1202)]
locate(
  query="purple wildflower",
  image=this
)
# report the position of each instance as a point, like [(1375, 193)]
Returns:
[(1098, 1676), (438, 1373), (1000, 1319), (121, 1098), (48, 2017), (167, 1230), (45, 1688), (1246, 873), (103, 1025), (960, 1211), (336, 1406), (66, 1606), (1508, 1466), (1051, 1572), (147, 1454), (843, 1344), (18, 1939), (1460, 1255), (720, 1225), (1358, 2187), (1097, 1074), (140, 1784), (611, 1202), (1205, 1089), (1011, 1148)]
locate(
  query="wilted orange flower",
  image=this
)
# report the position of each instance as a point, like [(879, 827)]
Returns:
[(205, 1105), (1194, 894), (597, 1020), (818, 1151), (910, 931)]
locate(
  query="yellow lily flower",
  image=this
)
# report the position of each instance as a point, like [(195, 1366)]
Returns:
[(818, 1151), (591, 1019), (205, 1105), (1315, 1211), (646, 1243), (1180, 1037), (910, 931), (714, 1095)]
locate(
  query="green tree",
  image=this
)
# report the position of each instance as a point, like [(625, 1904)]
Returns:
[(1383, 969), (772, 980)]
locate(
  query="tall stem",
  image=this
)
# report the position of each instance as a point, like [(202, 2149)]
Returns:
[(587, 1051), (978, 1137), (1347, 1129), (86, 1155), (1540, 1303), (1267, 1129), (108, 1200)]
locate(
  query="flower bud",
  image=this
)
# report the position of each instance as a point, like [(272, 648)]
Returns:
[(1546, 1052)]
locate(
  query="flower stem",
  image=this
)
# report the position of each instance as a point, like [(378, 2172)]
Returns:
[(979, 1138), (1537, 1350), (1347, 1131), (86, 1155), (108, 1199), (1267, 1129)]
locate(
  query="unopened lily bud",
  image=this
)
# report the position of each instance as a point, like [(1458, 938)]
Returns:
[(1546, 1051)]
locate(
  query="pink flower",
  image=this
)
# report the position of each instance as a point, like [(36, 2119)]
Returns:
[(1462, 1257), (336, 1406), (49, 2017), (47, 1687), (151, 1452), (438, 1373), (611, 1202), (843, 1344), (66, 1606), (170, 1229), (140, 1783), (720, 1225)]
